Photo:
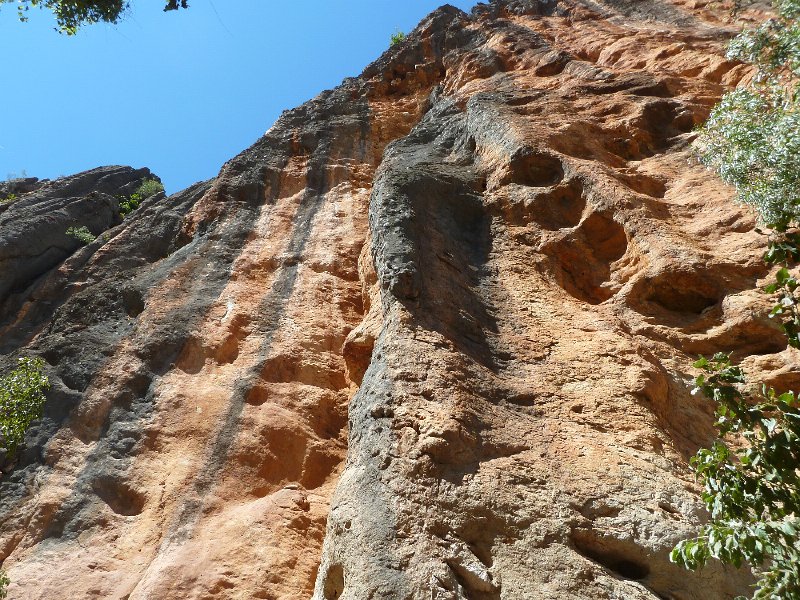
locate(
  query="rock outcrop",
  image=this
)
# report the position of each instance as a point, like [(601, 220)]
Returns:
[(429, 337)]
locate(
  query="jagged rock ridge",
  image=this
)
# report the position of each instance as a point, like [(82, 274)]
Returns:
[(491, 318)]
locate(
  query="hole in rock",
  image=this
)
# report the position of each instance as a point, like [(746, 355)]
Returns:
[(605, 236), (629, 569), (581, 279), (228, 351), (654, 88), (656, 128), (555, 208), (667, 117), (566, 206), (535, 169), (631, 147), (192, 357), (119, 496), (760, 340), (473, 587), (52, 357), (522, 399), (681, 300), (357, 353), (551, 64), (619, 559), (635, 84), (583, 260), (136, 386), (523, 99), (682, 293), (133, 301), (287, 368), (334, 582), (644, 184)]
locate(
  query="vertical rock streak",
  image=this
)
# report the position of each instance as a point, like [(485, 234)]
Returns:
[(523, 428), (200, 400)]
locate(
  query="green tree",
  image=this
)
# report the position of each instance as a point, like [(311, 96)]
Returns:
[(752, 491), (752, 487), (72, 14), (21, 401), (752, 138)]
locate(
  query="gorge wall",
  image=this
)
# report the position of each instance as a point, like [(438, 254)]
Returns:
[(429, 337)]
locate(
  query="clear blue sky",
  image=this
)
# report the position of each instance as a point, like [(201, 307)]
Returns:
[(179, 92)]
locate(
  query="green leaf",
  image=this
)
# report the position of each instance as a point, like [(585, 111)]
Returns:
[(21, 400)]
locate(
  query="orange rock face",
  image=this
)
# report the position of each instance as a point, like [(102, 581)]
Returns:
[(451, 367)]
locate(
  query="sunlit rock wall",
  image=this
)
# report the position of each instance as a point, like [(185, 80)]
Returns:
[(453, 366)]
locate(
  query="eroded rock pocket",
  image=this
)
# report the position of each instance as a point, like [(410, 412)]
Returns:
[(533, 168), (119, 496), (334, 582), (554, 208), (677, 296), (582, 260), (624, 559)]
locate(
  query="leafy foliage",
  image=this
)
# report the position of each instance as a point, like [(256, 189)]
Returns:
[(752, 492), (149, 187), (21, 401), (4, 581), (752, 489), (784, 250), (82, 234), (7, 199), (397, 37), (752, 138), (72, 14)]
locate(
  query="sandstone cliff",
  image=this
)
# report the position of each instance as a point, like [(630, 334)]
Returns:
[(427, 338)]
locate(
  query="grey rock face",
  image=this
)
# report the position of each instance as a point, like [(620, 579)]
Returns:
[(120, 319), (33, 227), (16, 187)]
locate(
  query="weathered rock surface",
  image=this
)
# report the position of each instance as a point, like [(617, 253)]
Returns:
[(491, 318), (33, 226)]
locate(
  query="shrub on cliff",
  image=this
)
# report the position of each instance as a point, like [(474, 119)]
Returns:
[(149, 187), (397, 37), (82, 234), (752, 138), (21, 401), (752, 490)]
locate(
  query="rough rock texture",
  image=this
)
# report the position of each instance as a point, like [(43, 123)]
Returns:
[(33, 225), (491, 317)]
